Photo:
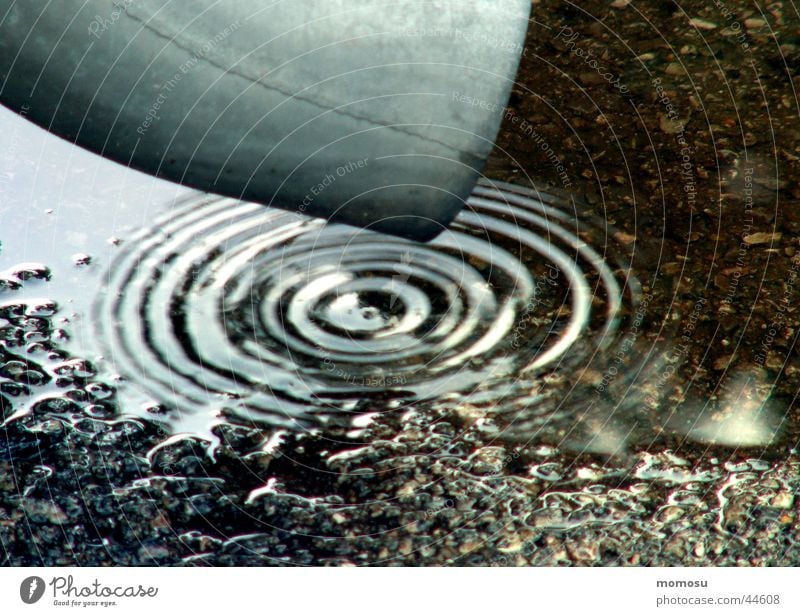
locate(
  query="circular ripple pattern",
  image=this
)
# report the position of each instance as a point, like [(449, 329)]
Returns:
[(228, 308)]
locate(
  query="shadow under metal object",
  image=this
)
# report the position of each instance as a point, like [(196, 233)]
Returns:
[(378, 114)]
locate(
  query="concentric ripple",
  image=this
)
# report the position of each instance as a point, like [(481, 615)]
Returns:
[(229, 308)]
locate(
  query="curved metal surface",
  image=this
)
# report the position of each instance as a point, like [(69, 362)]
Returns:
[(378, 114)]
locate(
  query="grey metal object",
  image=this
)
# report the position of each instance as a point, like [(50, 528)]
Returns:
[(378, 114)]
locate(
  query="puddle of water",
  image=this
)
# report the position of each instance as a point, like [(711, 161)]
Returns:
[(526, 310)]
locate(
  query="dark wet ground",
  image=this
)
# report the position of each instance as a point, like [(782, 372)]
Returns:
[(694, 459)]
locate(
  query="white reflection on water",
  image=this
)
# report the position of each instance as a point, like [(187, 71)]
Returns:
[(745, 417)]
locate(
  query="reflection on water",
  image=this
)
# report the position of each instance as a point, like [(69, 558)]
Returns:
[(225, 309), (528, 311), (225, 313), (186, 376), (743, 417)]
